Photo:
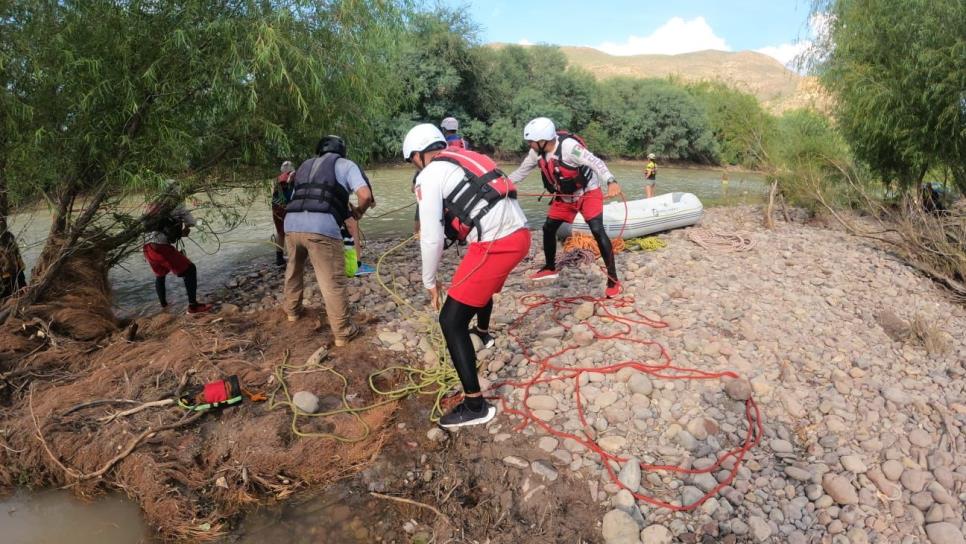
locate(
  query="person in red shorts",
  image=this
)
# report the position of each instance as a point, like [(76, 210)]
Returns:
[(574, 176), (463, 196), (162, 230)]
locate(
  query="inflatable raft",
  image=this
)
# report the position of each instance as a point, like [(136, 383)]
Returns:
[(644, 216)]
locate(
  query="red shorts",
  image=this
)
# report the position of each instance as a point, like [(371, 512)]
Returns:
[(164, 258), (589, 205), (485, 268)]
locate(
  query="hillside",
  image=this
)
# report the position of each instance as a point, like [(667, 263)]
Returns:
[(777, 87)]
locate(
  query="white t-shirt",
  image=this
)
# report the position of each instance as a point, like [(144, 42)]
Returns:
[(433, 184), (573, 154)]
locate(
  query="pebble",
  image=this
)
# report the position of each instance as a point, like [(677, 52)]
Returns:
[(547, 443), (640, 384), (544, 469), (892, 469), (542, 402), (612, 443), (854, 464), (515, 461), (760, 529), (921, 438), (437, 435), (799, 474), (781, 446), (840, 489), (306, 402), (390, 338), (630, 474), (620, 528), (913, 480), (738, 389), (656, 534), (944, 533)]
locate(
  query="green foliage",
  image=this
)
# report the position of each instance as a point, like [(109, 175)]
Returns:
[(642, 116), (123, 94), (737, 121), (896, 69)]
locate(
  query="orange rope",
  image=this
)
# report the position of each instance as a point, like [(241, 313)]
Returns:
[(579, 240)]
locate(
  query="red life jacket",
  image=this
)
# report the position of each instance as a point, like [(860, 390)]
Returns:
[(455, 141), (482, 181), (559, 177)]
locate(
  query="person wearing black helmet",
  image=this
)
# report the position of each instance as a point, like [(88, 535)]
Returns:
[(314, 219)]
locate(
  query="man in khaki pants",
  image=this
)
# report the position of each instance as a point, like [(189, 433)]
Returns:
[(313, 221)]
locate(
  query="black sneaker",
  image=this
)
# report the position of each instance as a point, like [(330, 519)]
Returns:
[(485, 337), (462, 416)]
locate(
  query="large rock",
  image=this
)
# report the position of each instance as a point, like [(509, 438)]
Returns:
[(944, 533), (620, 528), (840, 489), (390, 337), (584, 311)]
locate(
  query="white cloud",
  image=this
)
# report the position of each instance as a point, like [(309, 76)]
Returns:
[(524, 41), (673, 37), (786, 52), (792, 53)]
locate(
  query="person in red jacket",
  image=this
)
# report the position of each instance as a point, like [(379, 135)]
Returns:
[(574, 176), (463, 196), (451, 129)]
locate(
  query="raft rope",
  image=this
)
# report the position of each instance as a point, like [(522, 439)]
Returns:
[(723, 242)]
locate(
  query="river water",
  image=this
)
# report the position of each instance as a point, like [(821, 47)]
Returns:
[(251, 241), (53, 516)]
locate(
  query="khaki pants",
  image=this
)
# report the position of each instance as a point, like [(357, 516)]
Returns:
[(328, 259)]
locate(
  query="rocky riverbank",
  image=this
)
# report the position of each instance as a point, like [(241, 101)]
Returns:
[(855, 360)]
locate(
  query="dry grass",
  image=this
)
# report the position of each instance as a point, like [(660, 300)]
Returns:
[(933, 338)]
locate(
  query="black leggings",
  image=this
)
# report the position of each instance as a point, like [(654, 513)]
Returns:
[(454, 319), (190, 277), (600, 235)]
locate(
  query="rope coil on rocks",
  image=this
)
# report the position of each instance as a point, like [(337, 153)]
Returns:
[(724, 242)]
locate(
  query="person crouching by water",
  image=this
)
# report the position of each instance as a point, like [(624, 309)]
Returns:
[(167, 221), (281, 194), (463, 196), (314, 220)]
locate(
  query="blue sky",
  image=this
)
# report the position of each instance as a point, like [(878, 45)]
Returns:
[(779, 28)]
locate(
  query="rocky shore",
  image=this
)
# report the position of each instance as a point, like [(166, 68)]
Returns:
[(855, 360)]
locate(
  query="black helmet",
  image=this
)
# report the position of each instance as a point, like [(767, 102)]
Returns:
[(331, 144)]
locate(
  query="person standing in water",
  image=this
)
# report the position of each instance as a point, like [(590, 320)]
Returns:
[(650, 176)]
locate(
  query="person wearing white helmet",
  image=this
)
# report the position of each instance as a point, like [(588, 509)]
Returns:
[(573, 175), (462, 195), (451, 128), (650, 175)]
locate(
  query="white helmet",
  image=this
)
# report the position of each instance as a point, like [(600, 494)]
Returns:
[(450, 123), (287, 167), (540, 128), (420, 138), (651, 156)]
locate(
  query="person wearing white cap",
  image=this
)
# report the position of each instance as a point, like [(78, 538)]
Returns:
[(451, 128), (462, 195)]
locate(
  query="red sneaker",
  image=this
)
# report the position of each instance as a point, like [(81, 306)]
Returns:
[(198, 308), (613, 290), (544, 274)]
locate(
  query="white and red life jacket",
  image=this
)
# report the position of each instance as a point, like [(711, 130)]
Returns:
[(482, 182), (559, 177)]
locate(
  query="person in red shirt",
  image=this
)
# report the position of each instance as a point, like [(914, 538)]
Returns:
[(281, 195)]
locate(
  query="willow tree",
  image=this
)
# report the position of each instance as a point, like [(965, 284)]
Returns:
[(119, 95), (896, 69)]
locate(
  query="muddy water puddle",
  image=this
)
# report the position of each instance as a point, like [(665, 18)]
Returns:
[(54, 516)]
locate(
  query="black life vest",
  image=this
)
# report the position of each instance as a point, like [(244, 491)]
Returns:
[(165, 223), (482, 182), (558, 176), (317, 189)]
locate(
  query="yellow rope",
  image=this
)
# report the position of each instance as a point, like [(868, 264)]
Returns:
[(649, 243)]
